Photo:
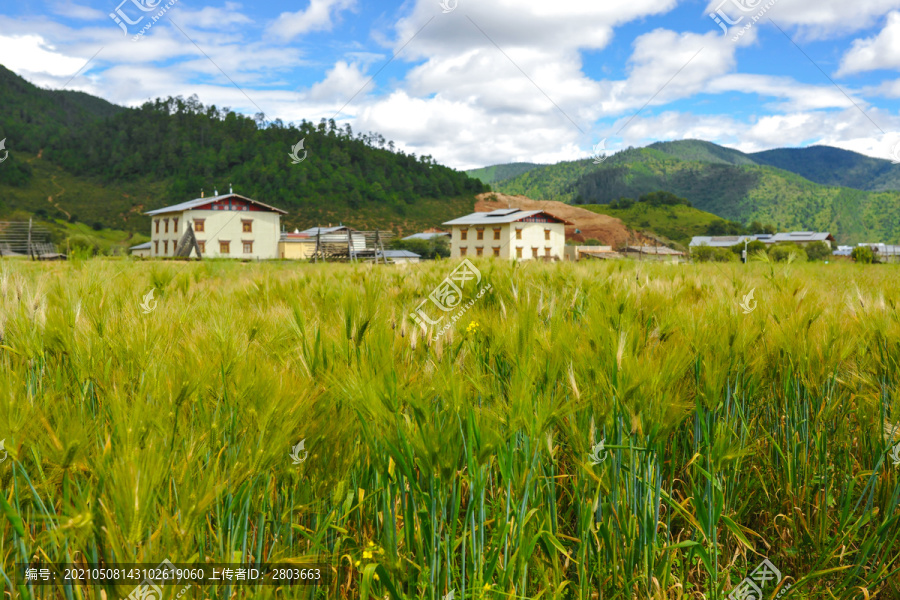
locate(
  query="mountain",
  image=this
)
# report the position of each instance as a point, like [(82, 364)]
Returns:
[(721, 181), (497, 173), (76, 157), (834, 166)]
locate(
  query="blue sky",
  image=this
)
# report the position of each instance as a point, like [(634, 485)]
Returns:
[(478, 82)]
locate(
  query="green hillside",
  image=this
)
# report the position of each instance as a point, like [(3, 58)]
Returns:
[(719, 181), (675, 223), (497, 173), (834, 166), (78, 158)]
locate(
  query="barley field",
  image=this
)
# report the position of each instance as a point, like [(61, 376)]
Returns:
[(591, 431)]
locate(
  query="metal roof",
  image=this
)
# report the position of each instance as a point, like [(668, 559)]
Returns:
[(323, 230), (398, 254), (500, 216), (201, 201), (426, 236), (800, 236), (144, 246), (721, 241)]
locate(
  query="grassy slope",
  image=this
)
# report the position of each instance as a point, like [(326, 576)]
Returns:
[(676, 223), (742, 193)]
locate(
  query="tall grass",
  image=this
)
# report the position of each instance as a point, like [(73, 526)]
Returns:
[(463, 464)]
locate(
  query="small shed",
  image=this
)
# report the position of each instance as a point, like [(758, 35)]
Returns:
[(141, 250)]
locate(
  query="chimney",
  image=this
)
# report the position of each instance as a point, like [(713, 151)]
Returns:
[(202, 195), (216, 193), (230, 189)]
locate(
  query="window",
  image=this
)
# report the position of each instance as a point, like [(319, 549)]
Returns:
[(175, 225), (200, 225), (224, 247), (166, 246), (496, 250), (463, 234), (167, 225), (547, 234), (479, 234), (546, 251), (518, 234), (248, 247), (518, 253), (462, 250), (156, 245), (157, 226), (496, 233), (247, 226), (202, 247), (479, 251), (534, 252)]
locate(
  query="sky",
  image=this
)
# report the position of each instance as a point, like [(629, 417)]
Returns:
[(482, 82)]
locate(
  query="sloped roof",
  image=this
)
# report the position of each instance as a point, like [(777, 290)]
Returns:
[(398, 254), (800, 236), (313, 231), (144, 246), (201, 201), (721, 241), (500, 217), (426, 236)]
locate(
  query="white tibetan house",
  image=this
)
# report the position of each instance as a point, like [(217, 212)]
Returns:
[(227, 226), (509, 233)]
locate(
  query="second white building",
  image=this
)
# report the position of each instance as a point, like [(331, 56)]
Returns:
[(509, 233)]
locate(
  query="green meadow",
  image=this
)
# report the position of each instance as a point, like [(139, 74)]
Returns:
[(593, 431)]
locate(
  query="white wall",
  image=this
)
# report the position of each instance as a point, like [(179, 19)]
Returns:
[(532, 237), (221, 225)]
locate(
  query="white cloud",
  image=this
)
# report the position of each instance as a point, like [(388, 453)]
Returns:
[(822, 19), (69, 9), (879, 52), (32, 54), (317, 17)]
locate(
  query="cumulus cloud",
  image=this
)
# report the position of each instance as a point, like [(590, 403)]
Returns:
[(878, 52), (317, 17)]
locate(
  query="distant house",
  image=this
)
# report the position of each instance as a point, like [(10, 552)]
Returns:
[(226, 226), (801, 238), (509, 233), (303, 244), (884, 253), (578, 252), (428, 234), (142, 250), (397, 257), (720, 241), (652, 253)]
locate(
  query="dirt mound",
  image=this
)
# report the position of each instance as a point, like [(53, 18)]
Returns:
[(609, 230)]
